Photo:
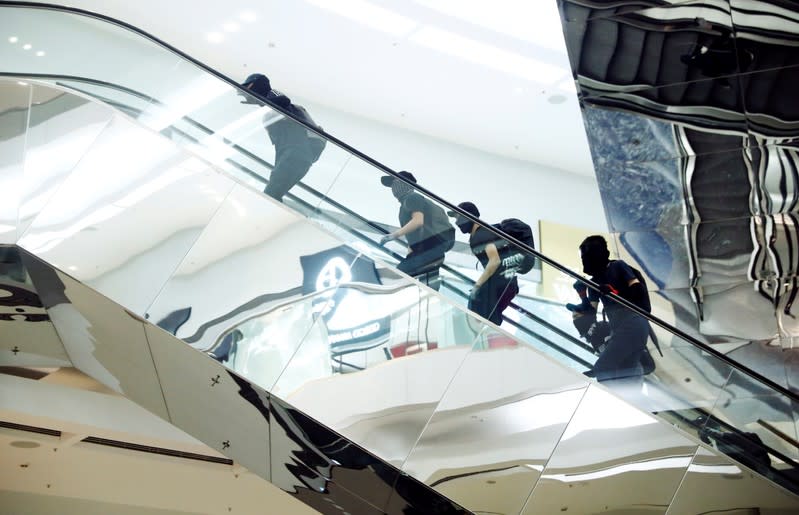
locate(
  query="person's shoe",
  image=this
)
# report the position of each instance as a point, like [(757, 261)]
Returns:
[(589, 373)]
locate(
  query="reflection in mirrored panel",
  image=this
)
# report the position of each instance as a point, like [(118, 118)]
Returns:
[(102, 339), (714, 484), (61, 130), (619, 458), (27, 336), (392, 368), (119, 202), (221, 409), (14, 106), (247, 263), (496, 427), (764, 418), (302, 441)]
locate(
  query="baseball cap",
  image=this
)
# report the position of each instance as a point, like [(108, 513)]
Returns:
[(469, 207), (388, 180)]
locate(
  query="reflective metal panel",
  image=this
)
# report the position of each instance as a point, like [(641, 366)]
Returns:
[(714, 484), (412, 496), (62, 129), (27, 336), (120, 203), (622, 43), (489, 438), (612, 458), (14, 105), (304, 441), (216, 406), (102, 339)]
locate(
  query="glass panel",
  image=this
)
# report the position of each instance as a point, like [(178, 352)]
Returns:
[(489, 439), (120, 202), (61, 131), (622, 459), (14, 105), (238, 292), (706, 489), (393, 353)]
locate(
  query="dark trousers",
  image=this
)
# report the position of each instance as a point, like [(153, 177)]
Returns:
[(291, 165), (625, 352), (494, 297), (424, 261)]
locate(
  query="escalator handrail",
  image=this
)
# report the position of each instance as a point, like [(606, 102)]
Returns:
[(377, 227), (385, 169)]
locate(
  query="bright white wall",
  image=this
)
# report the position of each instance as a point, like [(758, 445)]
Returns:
[(501, 187)]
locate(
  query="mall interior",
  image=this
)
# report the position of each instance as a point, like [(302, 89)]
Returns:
[(173, 340)]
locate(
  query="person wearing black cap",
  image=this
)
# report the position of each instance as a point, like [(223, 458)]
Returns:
[(494, 290), (624, 353), (424, 225), (294, 154)]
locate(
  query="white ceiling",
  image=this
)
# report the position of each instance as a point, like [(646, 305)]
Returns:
[(481, 74)]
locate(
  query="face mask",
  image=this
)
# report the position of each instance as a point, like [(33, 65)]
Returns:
[(399, 189), (594, 258), (465, 226)]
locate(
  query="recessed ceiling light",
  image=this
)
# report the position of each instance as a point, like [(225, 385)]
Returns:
[(25, 444), (215, 37), (248, 16), (40, 53), (230, 26), (27, 46), (13, 39)]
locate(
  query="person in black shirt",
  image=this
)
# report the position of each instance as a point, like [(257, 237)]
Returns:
[(293, 154), (425, 227), (624, 353), (497, 285)]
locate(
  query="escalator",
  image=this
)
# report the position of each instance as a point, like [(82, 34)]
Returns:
[(694, 387)]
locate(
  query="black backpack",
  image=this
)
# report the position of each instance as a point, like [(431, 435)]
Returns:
[(316, 143), (513, 257)]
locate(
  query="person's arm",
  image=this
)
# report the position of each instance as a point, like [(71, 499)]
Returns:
[(637, 293), (491, 266), (415, 223)]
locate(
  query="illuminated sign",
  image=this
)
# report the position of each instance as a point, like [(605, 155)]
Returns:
[(347, 312)]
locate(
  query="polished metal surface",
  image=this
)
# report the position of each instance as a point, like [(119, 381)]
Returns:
[(693, 124), (102, 339), (27, 335)]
